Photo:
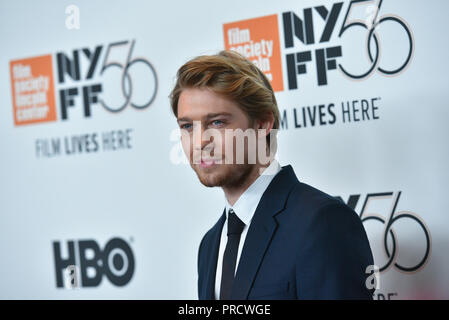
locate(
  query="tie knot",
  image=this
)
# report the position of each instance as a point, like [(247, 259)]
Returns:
[(235, 225)]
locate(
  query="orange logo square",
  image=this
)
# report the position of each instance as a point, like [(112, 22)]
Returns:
[(33, 93), (258, 40)]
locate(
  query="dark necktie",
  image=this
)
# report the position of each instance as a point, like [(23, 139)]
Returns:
[(235, 228)]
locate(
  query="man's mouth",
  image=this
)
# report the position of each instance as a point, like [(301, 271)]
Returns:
[(207, 163)]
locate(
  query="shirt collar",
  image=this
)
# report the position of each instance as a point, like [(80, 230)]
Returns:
[(246, 205)]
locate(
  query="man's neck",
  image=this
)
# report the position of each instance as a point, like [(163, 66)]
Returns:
[(233, 193)]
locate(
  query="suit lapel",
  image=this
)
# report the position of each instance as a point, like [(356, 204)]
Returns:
[(213, 257), (261, 231)]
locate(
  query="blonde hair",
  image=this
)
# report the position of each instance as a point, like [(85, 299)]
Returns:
[(230, 74)]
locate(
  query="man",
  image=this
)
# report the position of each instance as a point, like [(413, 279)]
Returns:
[(277, 238)]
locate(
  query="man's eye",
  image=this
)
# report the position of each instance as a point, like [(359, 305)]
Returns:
[(186, 126), (217, 122)]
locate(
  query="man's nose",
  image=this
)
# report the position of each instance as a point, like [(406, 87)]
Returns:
[(198, 142)]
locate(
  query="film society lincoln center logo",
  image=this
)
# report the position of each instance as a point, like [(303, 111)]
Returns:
[(258, 40), (33, 90)]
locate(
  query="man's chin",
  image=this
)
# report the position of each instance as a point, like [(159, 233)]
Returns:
[(210, 177), (222, 175), (210, 180)]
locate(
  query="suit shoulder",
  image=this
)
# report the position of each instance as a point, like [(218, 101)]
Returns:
[(315, 209), (209, 233), (307, 204), (304, 195)]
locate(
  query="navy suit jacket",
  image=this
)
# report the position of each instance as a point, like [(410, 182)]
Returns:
[(301, 244)]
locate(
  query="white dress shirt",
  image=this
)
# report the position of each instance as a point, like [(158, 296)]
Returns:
[(244, 208)]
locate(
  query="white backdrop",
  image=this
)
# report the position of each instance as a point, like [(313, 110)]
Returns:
[(158, 208)]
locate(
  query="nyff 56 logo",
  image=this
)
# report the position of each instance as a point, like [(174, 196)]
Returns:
[(403, 254), (107, 76), (307, 46)]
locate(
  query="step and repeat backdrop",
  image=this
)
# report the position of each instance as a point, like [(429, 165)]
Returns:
[(97, 200)]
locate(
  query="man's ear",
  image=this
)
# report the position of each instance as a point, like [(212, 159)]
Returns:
[(266, 122)]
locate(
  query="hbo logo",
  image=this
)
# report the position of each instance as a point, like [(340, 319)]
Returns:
[(85, 261)]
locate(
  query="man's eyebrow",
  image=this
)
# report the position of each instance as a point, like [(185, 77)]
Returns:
[(208, 116)]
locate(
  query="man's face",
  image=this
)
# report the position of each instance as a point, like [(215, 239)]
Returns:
[(214, 158)]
